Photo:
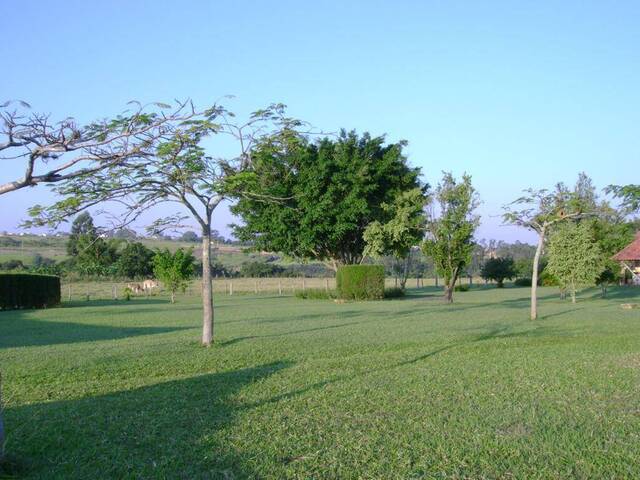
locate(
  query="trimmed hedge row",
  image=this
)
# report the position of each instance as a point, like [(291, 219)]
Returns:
[(360, 282), (27, 290)]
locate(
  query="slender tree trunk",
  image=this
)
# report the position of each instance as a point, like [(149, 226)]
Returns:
[(207, 290), (534, 276), (405, 272), (173, 296), (450, 286), (573, 292)]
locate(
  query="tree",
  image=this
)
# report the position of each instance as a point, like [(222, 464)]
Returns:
[(329, 190), (574, 259), (174, 269), (190, 236), (629, 194), (82, 226), (180, 172), (450, 236), (403, 231), (135, 261), (498, 269), (541, 210), (58, 151)]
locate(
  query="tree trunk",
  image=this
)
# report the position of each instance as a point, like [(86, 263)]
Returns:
[(207, 290), (448, 293), (173, 296), (449, 286), (534, 276), (573, 293), (405, 272)]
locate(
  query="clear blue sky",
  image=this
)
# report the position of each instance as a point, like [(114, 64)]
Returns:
[(518, 94)]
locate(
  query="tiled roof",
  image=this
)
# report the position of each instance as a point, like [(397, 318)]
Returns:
[(630, 252)]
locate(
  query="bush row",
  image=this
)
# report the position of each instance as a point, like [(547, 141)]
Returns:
[(26, 290), (360, 282)]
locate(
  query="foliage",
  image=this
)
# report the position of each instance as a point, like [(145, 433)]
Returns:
[(316, 294), (82, 226), (190, 236), (328, 192), (450, 236), (574, 259), (260, 269), (360, 282), (27, 290), (499, 269), (522, 282), (135, 261), (12, 265), (174, 269), (394, 292), (404, 229), (401, 233), (629, 194)]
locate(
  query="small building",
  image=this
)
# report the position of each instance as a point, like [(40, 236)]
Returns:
[(629, 258)]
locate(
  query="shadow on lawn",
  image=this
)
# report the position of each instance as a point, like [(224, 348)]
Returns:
[(170, 430), (18, 330)]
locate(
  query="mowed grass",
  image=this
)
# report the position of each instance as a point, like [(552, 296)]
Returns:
[(408, 388)]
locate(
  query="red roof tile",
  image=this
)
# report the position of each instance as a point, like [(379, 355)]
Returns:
[(630, 252)]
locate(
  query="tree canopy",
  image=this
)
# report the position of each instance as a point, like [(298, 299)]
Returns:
[(327, 192), (574, 259), (450, 236)]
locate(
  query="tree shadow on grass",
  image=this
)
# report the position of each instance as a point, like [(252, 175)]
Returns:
[(232, 341), (18, 330), (174, 429)]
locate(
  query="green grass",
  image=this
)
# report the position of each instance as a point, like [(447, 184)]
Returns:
[(407, 388)]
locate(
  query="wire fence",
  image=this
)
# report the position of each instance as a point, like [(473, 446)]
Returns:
[(112, 290)]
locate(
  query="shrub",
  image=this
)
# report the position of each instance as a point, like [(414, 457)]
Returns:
[(461, 288), (393, 292), (360, 282), (498, 269), (522, 282), (27, 290), (316, 294)]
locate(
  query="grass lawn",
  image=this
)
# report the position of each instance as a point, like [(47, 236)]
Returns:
[(408, 388)]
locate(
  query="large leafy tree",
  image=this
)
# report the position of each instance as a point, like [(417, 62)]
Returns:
[(574, 258), (403, 231), (179, 172), (450, 235), (329, 191)]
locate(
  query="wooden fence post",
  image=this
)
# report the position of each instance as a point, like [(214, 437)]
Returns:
[(255, 286), (326, 284), (231, 287), (303, 284), (279, 287), (69, 294), (114, 293)]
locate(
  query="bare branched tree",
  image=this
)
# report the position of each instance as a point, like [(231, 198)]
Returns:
[(178, 171), (56, 151)]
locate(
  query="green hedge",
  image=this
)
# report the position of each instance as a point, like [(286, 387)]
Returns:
[(360, 282), (26, 290)]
